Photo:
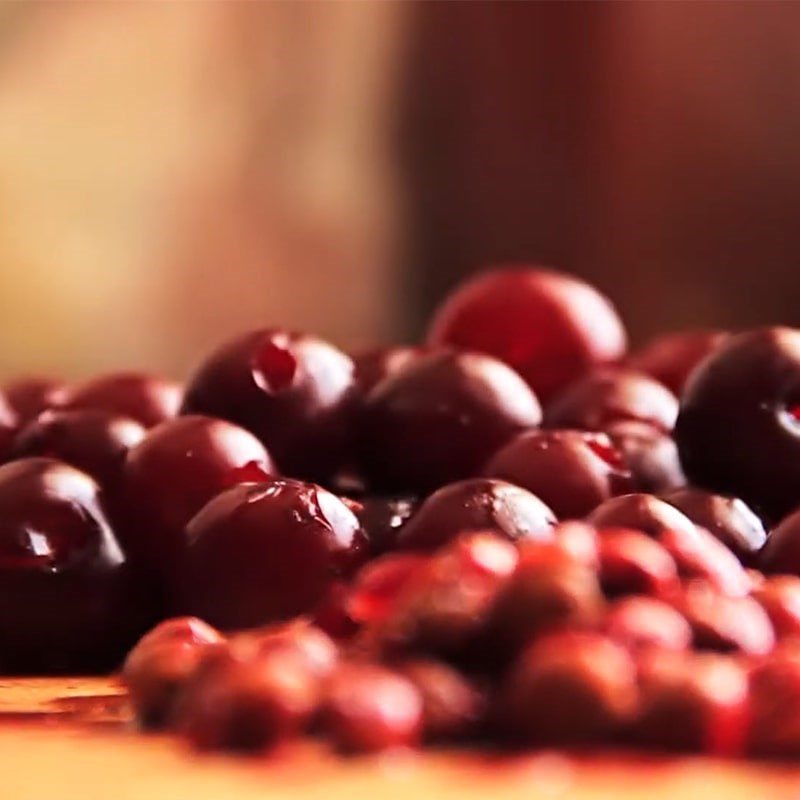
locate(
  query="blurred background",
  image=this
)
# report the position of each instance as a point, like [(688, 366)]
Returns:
[(173, 172)]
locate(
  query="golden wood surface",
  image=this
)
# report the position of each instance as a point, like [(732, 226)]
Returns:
[(69, 738)]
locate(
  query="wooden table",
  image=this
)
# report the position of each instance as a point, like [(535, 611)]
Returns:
[(65, 739)]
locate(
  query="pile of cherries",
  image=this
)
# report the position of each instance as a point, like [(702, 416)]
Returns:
[(514, 533)]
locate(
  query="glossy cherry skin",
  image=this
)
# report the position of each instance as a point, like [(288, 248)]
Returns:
[(382, 518), (145, 398), (65, 588), (643, 622), (572, 471), (372, 366), (737, 432), (779, 596), (473, 505), (728, 518), (725, 624), (92, 440), (173, 472), (549, 326), (294, 391), (259, 553), (609, 396), (29, 396), (651, 456), (162, 662), (775, 704), (641, 512), (369, 708), (693, 702), (439, 419), (568, 688), (672, 357)]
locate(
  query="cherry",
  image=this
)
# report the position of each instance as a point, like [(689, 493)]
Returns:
[(549, 326), (650, 454), (571, 471), (294, 391), (369, 708), (642, 622), (29, 396), (145, 398), (736, 431), (609, 396), (723, 623), (672, 357), (775, 705), (696, 702), (568, 688), (170, 475), (382, 518), (727, 518), (477, 504), (443, 608), (781, 553), (642, 512), (247, 700), (548, 590), (92, 440), (162, 662), (633, 563), (452, 706), (779, 596), (372, 366), (439, 419), (263, 552), (578, 540), (65, 590)]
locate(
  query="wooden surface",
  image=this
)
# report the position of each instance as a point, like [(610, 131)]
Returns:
[(71, 738)]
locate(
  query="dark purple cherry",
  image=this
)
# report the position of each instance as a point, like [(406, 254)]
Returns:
[(170, 475), (738, 431), (65, 592), (145, 398), (439, 419), (571, 471), (264, 552), (92, 440), (650, 454), (728, 518), (479, 504), (294, 391), (29, 396), (612, 395)]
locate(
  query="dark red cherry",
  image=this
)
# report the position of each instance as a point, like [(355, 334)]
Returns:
[(477, 504), (640, 512), (29, 396), (781, 553), (368, 708), (382, 518), (264, 552), (294, 391), (170, 475), (549, 326), (568, 688), (693, 702), (632, 563), (92, 440), (650, 454), (145, 398), (728, 518), (572, 471), (439, 419), (65, 591), (609, 396), (670, 358), (737, 431), (372, 366)]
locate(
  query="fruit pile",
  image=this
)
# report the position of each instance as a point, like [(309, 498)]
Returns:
[(516, 532)]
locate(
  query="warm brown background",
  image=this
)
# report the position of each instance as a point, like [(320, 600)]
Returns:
[(172, 172)]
